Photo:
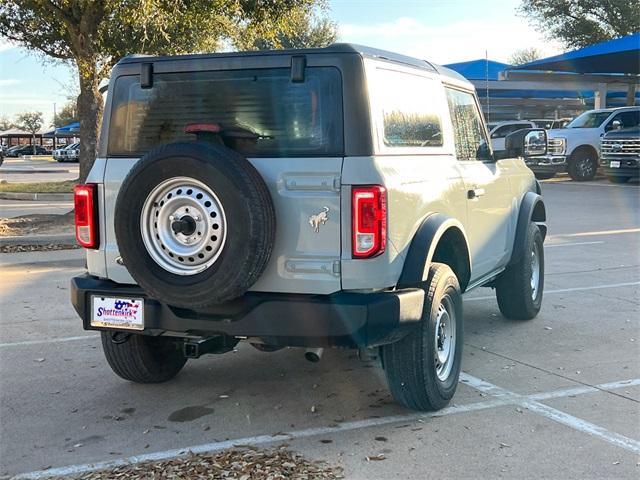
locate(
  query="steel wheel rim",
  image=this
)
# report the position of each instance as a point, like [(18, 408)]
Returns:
[(445, 339), (195, 249), (535, 271)]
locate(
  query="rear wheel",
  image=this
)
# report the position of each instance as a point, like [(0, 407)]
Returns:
[(142, 358), (583, 165), (195, 224), (423, 368), (519, 288)]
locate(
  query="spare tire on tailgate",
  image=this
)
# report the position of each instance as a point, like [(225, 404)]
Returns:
[(194, 223)]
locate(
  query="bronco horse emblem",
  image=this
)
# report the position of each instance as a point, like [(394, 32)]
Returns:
[(319, 219)]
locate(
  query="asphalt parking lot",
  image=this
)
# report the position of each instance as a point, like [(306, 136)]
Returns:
[(556, 397), (20, 170)]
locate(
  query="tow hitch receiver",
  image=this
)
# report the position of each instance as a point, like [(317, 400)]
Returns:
[(217, 344)]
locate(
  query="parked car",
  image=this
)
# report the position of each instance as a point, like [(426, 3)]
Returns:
[(353, 206), (500, 130), (580, 140), (19, 150), (67, 154), (620, 152)]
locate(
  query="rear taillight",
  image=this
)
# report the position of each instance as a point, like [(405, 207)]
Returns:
[(369, 220), (86, 208)]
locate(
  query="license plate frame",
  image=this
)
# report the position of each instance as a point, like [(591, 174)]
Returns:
[(119, 313)]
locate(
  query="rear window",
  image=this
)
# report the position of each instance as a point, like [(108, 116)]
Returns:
[(263, 111)]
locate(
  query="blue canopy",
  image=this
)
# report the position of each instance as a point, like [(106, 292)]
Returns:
[(621, 55), (477, 69), (70, 130)]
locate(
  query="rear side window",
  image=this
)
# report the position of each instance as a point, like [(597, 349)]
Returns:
[(469, 134), (409, 110), (266, 113)]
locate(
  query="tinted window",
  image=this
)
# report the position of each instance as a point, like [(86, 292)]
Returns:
[(262, 112), (469, 134), (409, 110)]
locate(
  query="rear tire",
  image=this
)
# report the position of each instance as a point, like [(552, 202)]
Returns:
[(583, 166), (519, 288), (417, 367), (142, 358)]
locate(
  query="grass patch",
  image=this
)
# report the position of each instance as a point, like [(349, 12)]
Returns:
[(40, 187)]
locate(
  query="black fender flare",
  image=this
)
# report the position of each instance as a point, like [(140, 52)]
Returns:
[(532, 209), (423, 247)]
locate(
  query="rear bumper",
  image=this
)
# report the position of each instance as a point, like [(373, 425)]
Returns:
[(342, 319)]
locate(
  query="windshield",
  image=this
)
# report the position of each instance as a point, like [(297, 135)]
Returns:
[(589, 120)]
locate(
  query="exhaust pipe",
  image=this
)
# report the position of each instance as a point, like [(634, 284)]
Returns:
[(313, 354)]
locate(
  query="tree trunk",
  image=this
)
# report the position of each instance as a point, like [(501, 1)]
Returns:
[(90, 113)]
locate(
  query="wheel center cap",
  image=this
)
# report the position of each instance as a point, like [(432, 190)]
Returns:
[(186, 225)]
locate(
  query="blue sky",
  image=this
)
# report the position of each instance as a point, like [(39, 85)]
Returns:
[(442, 31)]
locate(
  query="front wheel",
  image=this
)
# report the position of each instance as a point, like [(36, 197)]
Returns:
[(143, 358), (422, 369), (583, 166), (519, 288)]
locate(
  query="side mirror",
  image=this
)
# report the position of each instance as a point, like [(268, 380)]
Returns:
[(529, 142)]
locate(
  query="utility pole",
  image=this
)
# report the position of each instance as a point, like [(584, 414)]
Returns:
[(55, 126)]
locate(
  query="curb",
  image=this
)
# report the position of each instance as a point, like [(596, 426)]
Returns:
[(36, 196), (63, 239)]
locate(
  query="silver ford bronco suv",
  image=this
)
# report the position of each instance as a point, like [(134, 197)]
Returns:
[(336, 197)]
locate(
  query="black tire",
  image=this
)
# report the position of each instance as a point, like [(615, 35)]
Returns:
[(410, 363), (583, 165), (514, 289), (142, 358), (544, 176), (618, 179), (250, 232)]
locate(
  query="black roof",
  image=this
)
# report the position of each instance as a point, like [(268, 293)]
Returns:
[(335, 48)]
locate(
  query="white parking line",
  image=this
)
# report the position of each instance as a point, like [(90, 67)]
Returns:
[(565, 290), (503, 398), (583, 426), (53, 340), (621, 231), (551, 245), (553, 413)]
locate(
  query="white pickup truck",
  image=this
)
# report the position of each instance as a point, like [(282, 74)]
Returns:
[(579, 141)]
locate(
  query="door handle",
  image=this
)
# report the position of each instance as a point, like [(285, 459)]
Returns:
[(475, 193)]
